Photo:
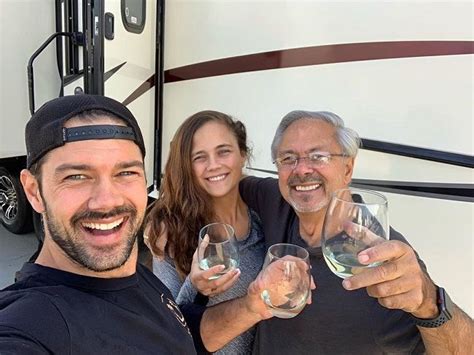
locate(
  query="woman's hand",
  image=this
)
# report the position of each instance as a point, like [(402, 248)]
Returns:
[(201, 278)]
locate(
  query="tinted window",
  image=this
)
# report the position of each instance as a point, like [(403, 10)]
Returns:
[(133, 15)]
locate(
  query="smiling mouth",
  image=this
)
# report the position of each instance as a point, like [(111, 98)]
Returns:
[(103, 228), (217, 178), (305, 188)]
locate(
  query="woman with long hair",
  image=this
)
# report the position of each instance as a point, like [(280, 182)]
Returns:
[(201, 186)]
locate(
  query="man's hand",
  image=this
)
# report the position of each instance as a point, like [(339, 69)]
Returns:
[(201, 278), (399, 282), (270, 278)]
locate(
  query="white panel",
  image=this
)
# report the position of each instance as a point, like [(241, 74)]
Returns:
[(442, 233), (24, 26), (197, 31), (398, 168)]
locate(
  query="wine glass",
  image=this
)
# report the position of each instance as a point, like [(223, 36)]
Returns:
[(221, 248), (287, 279), (355, 220)]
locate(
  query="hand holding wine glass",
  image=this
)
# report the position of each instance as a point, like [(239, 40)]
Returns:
[(217, 246), (355, 220), (205, 281), (286, 279)]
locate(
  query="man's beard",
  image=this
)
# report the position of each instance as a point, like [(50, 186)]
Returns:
[(98, 259), (302, 208), (306, 206)]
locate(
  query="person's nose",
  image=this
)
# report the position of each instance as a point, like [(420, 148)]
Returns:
[(303, 166), (213, 162), (105, 195)]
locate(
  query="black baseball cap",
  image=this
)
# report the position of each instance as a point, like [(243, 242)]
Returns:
[(45, 130)]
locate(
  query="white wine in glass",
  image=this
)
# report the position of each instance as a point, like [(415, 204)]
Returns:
[(287, 279), (355, 220), (221, 249)]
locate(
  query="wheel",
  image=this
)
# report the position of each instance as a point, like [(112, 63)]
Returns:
[(15, 210)]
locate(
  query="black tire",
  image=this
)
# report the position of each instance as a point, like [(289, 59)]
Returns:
[(15, 210)]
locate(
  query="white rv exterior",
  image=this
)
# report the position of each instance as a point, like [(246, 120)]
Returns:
[(418, 98), (24, 25), (116, 59)]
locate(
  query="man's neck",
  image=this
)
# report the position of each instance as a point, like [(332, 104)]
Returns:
[(311, 226), (52, 256)]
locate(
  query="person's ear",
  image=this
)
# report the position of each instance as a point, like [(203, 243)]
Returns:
[(32, 190), (243, 159), (348, 169)]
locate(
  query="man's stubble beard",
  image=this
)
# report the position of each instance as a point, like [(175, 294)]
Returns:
[(104, 259), (302, 207), (308, 209)]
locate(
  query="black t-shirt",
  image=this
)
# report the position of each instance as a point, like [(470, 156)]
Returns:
[(56, 312), (338, 321)]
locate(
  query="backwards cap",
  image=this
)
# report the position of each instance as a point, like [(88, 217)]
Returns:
[(45, 130)]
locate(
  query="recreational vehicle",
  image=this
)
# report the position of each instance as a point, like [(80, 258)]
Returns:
[(70, 47), (391, 70)]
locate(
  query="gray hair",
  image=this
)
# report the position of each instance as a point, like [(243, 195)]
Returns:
[(347, 138)]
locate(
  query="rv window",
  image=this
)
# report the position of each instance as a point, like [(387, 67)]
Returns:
[(133, 15)]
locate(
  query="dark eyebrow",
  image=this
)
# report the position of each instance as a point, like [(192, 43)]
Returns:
[(85, 167), (131, 164), (309, 151), (225, 145), (288, 151), (64, 167)]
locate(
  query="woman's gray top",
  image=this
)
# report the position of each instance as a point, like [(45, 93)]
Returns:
[(252, 254)]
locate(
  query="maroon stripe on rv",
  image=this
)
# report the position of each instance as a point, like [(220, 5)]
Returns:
[(143, 88), (328, 54)]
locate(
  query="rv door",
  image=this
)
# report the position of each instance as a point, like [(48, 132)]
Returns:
[(119, 59)]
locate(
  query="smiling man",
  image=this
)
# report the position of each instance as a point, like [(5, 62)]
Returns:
[(85, 292), (393, 308)]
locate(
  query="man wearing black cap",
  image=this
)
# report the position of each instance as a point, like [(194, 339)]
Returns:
[(85, 293)]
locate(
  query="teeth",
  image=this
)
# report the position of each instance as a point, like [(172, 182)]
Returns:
[(307, 188), (217, 178), (103, 226)]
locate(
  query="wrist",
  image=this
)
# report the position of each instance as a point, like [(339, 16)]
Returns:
[(445, 311), (428, 310), (256, 308), (429, 307)]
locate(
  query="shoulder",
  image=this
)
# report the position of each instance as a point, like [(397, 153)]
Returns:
[(23, 313), (158, 283), (16, 303), (255, 189), (253, 181)]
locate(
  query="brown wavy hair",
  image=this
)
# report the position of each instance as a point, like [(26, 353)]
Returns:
[(183, 206)]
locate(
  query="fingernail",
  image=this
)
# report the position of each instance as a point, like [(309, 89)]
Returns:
[(346, 284), (363, 258)]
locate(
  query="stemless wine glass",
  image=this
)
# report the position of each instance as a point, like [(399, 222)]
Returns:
[(355, 220), (221, 249), (286, 276)]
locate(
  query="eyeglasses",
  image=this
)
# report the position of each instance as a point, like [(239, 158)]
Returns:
[(314, 160)]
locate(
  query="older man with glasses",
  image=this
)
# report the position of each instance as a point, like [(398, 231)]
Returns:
[(392, 308)]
